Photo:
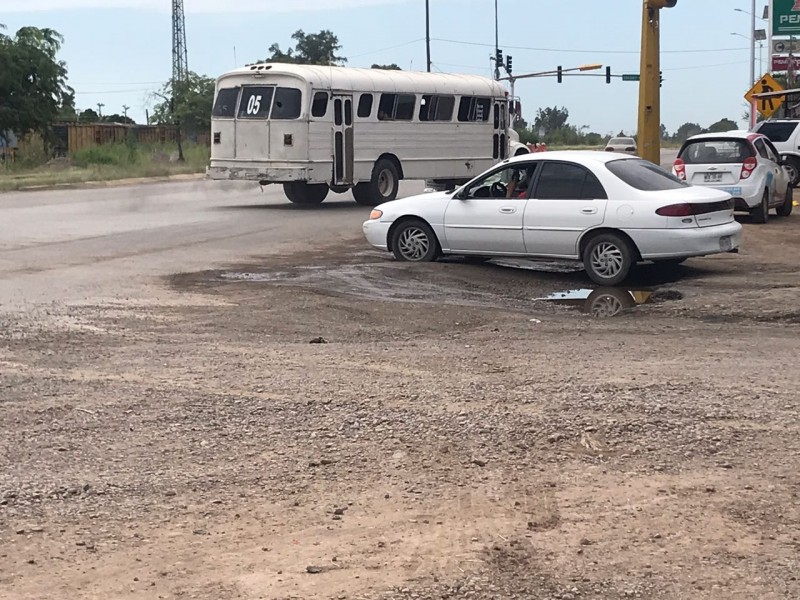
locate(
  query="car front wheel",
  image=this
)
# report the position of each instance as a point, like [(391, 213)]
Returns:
[(414, 241), (608, 259)]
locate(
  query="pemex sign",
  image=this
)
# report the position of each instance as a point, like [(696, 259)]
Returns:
[(785, 17)]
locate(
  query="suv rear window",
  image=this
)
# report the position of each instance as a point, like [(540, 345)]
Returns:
[(644, 175), (778, 131), (715, 151)]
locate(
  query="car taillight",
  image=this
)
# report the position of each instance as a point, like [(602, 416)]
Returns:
[(697, 208), (680, 168), (748, 167), (676, 210)]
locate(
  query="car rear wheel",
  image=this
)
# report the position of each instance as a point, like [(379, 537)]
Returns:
[(414, 241), (760, 213), (608, 259), (785, 209)]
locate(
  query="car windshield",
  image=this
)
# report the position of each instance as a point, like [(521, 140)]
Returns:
[(621, 141), (778, 131), (644, 175), (715, 151)]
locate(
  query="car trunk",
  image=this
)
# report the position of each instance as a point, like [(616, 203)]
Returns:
[(713, 174), (695, 207)]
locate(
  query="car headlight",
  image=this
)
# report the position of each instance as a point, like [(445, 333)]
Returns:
[(375, 214)]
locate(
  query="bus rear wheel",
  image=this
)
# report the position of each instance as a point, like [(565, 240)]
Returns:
[(301, 192), (382, 187)]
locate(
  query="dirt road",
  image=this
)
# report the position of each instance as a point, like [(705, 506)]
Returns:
[(208, 394)]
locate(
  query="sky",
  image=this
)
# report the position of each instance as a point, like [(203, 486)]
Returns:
[(119, 51)]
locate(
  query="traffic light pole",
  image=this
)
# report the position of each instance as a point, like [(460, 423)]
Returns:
[(650, 81)]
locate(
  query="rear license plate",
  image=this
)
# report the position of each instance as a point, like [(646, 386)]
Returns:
[(712, 177), (726, 243)]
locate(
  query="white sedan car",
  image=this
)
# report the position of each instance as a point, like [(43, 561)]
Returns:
[(607, 210), (621, 144)]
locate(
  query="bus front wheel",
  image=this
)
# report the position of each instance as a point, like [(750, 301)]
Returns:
[(301, 192), (382, 187)]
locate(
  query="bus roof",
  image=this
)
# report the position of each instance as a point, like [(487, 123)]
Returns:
[(375, 80)]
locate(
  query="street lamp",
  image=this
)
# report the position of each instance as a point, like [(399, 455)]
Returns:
[(760, 51), (752, 14)]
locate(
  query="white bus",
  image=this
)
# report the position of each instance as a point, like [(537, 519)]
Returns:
[(316, 128)]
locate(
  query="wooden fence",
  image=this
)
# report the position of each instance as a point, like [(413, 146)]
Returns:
[(71, 137)]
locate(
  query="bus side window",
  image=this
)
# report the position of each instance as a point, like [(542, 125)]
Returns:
[(365, 106), (320, 105), (465, 108), (386, 107), (444, 109), (404, 109)]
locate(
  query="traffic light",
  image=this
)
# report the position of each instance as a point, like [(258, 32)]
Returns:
[(559, 77), (608, 74), (499, 56), (508, 64), (660, 78)]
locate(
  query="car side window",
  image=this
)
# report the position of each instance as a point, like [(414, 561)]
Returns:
[(512, 181), (773, 152), (567, 181), (762, 149)]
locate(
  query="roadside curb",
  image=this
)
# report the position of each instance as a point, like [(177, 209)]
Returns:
[(110, 183)]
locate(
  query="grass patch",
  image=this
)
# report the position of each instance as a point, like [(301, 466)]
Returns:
[(107, 162)]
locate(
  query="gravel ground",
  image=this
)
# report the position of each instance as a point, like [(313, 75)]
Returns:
[(333, 424)]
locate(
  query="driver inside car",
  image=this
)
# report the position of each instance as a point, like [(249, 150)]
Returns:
[(518, 186)]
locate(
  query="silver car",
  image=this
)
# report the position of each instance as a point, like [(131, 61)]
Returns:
[(621, 144)]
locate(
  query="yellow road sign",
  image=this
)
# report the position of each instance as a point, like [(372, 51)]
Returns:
[(764, 85)]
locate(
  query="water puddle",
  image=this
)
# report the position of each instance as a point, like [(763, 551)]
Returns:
[(542, 266), (376, 281), (605, 302)]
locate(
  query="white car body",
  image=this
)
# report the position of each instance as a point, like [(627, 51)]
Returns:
[(558, 228), (727, 173)]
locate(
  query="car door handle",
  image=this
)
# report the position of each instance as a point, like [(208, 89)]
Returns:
[(589, 210), (508, 210)]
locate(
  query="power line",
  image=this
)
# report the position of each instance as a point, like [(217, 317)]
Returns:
[(115, 91), (388, 48), (562, 50)]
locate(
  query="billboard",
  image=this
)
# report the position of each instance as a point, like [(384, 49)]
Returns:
[(785, 17)]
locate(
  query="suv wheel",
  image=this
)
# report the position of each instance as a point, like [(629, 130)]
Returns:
[(793, 167)]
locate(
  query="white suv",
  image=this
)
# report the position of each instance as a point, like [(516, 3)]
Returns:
[(785, 136), (742, 163)]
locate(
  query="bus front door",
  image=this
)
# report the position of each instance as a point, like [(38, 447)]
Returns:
[(342, 140)]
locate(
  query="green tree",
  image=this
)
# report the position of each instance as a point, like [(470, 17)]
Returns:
[(391, 67), (687, 130), (187, 103), (117, 118), (88, 116), (550, 119), (33, 82), (722, 125), (310, 49)]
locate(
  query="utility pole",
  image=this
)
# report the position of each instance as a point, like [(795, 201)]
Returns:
[(752, 59), (650, 81), (180, 62), (125, 108), (428, 32), (100, 106), (496, 43)]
